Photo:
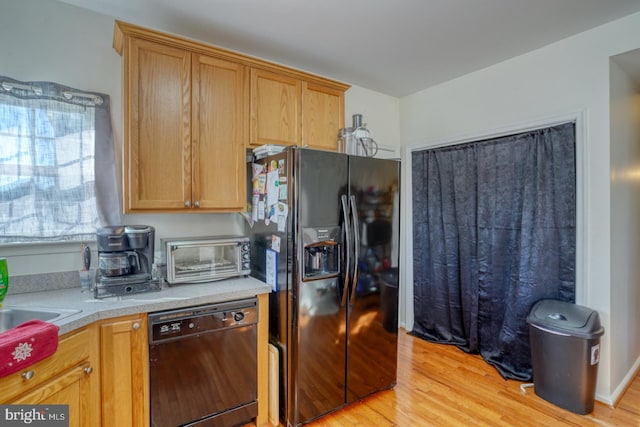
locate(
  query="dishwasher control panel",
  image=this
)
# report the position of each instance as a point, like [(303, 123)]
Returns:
[(202, 319)]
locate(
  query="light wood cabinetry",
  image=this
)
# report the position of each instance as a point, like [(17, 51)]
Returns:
[(286, 110), (263, 360), (184, 130), (125, 371), (219, 131), (157, 150), (68, 377), (322, 115), (276, 108), (191, 109)]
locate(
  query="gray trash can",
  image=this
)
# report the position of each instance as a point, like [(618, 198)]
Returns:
[(565, 351)]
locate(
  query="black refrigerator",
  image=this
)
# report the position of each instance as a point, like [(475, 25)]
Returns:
[(325, 235)]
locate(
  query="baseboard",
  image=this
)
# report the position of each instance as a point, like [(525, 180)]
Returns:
[(624, 384)]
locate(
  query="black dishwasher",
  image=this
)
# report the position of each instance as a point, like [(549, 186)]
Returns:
[(202, 365)]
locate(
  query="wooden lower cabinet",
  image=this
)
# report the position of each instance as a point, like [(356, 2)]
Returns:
[(263, 361), (69, 388), (68, 377), (125, 371)]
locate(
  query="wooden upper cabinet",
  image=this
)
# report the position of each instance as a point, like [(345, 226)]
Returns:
[(191, 110), (276, 108), (219, 129), (322, 116), (185, 129), (286, 110), (157, 147)]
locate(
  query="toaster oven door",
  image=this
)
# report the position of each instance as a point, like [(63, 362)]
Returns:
[(203, 261)]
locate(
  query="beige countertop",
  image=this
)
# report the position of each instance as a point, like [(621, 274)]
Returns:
[(169, 297)]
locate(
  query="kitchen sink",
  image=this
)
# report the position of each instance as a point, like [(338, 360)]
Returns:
[(10, 317)]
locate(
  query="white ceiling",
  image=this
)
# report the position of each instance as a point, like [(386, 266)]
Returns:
[(396, 47)]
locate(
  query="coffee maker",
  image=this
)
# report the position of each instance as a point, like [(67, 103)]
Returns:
[(125, 260)]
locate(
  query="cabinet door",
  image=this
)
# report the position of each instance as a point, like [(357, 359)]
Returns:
[(125, 372), (322, 116), (70, 388), (218, 134), (157, 157), (276, 109)]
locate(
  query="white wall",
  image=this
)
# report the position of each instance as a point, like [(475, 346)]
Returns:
[(625, 226), (52, 41), (381, 114), (563, 78)]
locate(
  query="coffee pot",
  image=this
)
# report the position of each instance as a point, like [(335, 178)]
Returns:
[(118, 248), (118, 263), (125, 259)]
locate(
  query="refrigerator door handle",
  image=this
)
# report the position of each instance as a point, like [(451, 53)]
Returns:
[(347, 230), (356, 247)]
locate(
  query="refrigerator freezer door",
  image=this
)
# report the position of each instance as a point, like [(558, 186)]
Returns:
[(320, 351), (372, 316), (322, 179), (317, 379)]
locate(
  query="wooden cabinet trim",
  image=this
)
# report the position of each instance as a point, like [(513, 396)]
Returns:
[(122, 28), (263, 362)]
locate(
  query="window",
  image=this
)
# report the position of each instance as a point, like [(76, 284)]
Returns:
[(48, 140)]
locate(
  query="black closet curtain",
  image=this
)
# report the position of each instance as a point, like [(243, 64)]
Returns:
[(494, 232)]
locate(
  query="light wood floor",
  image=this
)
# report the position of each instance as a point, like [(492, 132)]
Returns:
[(440, 385)]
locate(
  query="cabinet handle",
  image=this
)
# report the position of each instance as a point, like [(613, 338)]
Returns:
[(88, 370), (28, 375), (187, 203), (197, 204), (136, 326)]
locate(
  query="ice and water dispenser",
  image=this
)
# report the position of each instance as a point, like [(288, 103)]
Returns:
[(321, 252)]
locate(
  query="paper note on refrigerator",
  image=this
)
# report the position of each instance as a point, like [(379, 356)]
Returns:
[(272, 269), (282, 210), (259, 184), (283, 191), (255, 204), (273, 182), (275, 243)]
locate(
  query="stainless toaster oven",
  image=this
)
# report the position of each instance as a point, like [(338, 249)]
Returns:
[(205, 259)]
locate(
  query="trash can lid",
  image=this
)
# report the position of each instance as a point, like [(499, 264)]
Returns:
[(390, 277), (566, 318)]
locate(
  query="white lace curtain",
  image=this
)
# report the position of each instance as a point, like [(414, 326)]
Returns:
[(54, 142)]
